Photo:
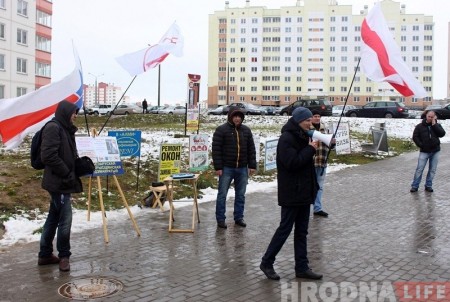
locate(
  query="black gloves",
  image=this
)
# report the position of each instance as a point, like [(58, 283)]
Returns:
[(69, 181)]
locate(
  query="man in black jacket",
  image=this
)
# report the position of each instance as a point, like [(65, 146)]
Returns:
[(234, 158), (58, 153), (426, 136), (297, 190)]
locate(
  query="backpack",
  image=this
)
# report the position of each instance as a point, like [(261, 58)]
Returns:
[(35, 150)]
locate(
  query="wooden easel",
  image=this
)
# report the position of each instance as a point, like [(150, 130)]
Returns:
[(100, 197)]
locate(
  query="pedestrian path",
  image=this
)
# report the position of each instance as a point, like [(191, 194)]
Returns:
[(377, 231)]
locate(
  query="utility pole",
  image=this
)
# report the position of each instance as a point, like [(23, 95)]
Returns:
[(96, 87)]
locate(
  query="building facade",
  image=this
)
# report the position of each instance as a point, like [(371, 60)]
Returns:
[(105, 93), (308, 50), (25, 46)]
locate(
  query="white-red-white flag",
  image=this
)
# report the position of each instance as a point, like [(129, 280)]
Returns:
[(142, 60), (28, 113), (381, 60)]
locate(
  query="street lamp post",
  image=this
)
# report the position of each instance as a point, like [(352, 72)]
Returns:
[(96, 87)]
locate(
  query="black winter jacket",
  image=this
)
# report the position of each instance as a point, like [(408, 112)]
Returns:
[(426, 136), (297, 183), (233, 147), (58, 152)]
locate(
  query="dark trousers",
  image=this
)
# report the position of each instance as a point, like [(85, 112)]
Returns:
[(290, 216)]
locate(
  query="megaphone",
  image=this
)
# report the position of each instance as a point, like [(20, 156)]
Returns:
[(322, 137)]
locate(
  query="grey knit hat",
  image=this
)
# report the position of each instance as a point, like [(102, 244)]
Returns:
[(301, 114)]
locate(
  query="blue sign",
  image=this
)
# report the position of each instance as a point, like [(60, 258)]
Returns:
[(129, 142)]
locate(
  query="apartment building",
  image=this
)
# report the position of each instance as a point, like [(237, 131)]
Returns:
[(25, 46), (104, 93), (309, 50)]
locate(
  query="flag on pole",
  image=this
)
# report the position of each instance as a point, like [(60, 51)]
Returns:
[(380, 56), (142, 60), (28, 113)]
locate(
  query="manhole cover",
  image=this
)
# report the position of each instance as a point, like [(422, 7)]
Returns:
[(90, 288)]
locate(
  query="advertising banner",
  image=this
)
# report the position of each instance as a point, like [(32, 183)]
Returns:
[(169, 160), (129, 142), (198, 152), (270, 161), (342, 138)]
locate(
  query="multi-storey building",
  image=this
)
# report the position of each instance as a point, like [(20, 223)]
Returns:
[(25, 46), (104, 94), (308, 50)]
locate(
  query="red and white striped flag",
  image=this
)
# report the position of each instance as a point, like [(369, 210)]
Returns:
[(28, 113), (380, 56), (142, 60)]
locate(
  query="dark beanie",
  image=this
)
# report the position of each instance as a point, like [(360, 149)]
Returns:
[(301, 114)]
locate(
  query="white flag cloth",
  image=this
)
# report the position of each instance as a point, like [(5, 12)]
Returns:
[(381, 60), (28, 113), (142, 60)]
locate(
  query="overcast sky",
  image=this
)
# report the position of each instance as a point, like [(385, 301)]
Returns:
[(102, 30)]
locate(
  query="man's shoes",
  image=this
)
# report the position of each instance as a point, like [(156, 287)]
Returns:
[(64, 264), (241, 223), (429, 189), (269, 272), (321, 213), (414, 190), (48, 260), (221, 224), (309, 274)]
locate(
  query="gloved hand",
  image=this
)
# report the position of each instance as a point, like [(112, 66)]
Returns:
[(69, 181)]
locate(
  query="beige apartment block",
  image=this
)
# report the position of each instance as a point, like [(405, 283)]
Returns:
[(311, 49)]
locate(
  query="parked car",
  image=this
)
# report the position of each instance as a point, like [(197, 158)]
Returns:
[(269, 110), (443, 113), (173, 110), (247, 108), (155, 109), (125, 109), (380, 109), (337, 109), (321, 105), (432, 107), (278, 110), (102, 109), (217, 111), (89, 111)]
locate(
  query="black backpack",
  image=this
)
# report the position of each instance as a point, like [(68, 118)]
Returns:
[(35, 150)]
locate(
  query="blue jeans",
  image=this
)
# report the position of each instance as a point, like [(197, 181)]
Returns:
[(320, 181), (240, 176), (59, 217), (290, 216), (433, 159)]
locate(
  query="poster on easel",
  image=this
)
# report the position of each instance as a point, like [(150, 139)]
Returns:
[(198, 152), (104, 152), (169, 160)]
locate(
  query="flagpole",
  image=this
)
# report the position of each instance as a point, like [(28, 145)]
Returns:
[(342, 113), (159, 85), (109, 116)]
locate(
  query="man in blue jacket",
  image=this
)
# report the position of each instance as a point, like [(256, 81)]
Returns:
[(297, 190), (426, 136), (234, 158)]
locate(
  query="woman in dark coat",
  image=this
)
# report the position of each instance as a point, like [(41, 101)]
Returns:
[(297, 190)]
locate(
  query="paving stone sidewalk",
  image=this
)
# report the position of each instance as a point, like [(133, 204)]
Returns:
[(377, 231)]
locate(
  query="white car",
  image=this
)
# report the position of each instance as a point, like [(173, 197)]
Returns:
[(337, 109), (173, 110)]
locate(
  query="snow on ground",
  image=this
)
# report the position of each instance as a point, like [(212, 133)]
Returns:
[(20, 228)]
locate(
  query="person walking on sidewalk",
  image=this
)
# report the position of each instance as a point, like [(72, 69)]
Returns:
[(58, 153), (297, 190), (320, 163), (426, 136), (234, 158)]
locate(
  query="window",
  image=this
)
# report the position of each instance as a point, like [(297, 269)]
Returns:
[(2, 62), (22, 36), (2, 91), (21, 65), (22, 7), (2, 31), (43, 44), (44, 18), (43, 70), (21, 91)]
